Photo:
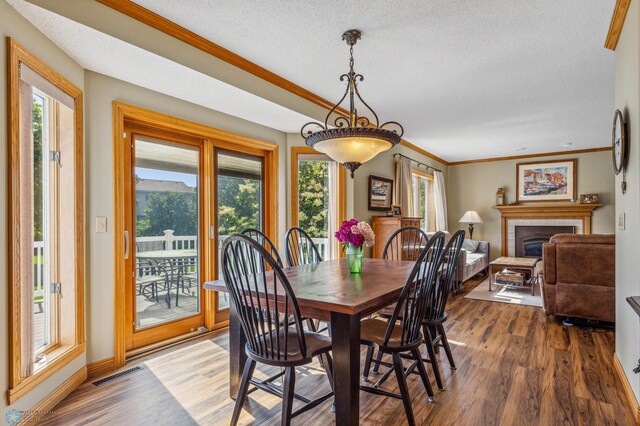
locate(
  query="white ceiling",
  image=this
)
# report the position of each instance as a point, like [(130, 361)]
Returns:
[(104, 54), (467, 79)]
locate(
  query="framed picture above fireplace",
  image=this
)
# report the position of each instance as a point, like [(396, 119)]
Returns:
[(546, 181)]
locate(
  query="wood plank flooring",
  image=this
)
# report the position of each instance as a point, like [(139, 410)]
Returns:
[(515, 367)]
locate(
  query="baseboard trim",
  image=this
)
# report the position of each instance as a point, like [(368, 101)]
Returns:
[(101, 367), (631, 397), (50, 401)]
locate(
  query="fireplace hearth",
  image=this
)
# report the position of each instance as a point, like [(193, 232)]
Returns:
[(529, 239)]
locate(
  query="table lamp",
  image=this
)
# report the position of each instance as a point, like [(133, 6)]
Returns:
[(471, 217)]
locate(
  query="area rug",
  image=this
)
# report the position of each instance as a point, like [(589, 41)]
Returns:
[(517, 296)]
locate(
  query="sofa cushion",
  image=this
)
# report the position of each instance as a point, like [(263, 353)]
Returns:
[(590, 264), (475, 262), (470, 245)]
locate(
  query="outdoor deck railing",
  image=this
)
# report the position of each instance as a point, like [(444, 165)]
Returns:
[(38, 270)]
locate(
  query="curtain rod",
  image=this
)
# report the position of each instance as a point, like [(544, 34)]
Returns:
[(416, 161)]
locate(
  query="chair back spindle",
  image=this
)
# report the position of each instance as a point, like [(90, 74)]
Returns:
[(405, 243), (300, 248), (265, 242), (441, 289)]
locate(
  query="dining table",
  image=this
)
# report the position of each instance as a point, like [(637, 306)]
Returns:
[(328, 291)]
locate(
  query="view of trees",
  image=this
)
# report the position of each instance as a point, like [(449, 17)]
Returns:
[(313, 190), (37, 168), (169, 210), (239, 202)]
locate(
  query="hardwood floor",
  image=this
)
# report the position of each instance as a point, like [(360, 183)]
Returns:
[(515, 367)]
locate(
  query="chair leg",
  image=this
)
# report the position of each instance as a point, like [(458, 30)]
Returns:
[(376, 366), (287, 395), (423, 374), (447, 348), (249, 367), (328, 362), (428, 341), (402, 384), (367, 363)]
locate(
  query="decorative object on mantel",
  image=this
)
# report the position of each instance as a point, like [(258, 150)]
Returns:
[(380, 193), (355, 139), (470, 217), (588, 198), (501, 199), (396, 210), (620, 145), (354, 235), (553, 180)]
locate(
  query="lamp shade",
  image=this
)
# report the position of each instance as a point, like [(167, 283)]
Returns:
[(471, 217)]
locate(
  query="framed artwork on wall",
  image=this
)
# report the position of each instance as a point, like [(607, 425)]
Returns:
[(380, 193), (546, 181)]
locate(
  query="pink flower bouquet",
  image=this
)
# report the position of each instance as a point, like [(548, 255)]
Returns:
[(356, 233)]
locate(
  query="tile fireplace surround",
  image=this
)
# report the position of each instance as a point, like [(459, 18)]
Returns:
[(565, 214)]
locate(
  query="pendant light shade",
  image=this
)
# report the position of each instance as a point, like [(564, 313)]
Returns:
[(352, 139)]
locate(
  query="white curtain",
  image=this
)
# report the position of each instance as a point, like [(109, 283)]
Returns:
[(404, 186), (333, 247), (440, 198)]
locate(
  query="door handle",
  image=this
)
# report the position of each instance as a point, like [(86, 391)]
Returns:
[(126, 245)]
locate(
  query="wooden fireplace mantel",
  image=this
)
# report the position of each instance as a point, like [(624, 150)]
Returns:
[(582, 212)]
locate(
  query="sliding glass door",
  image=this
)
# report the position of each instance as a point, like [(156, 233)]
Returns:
[(165, 242)]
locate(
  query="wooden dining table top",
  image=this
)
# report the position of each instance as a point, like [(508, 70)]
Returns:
[(329, 286)]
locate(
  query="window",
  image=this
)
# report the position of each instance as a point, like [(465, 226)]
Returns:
[(46, 251), (423, 200), (318, 191)]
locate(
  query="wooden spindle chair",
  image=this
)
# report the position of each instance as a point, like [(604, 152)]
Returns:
[(270, 318), (432, 325), (401, 333), (300, 248), (405, 243)]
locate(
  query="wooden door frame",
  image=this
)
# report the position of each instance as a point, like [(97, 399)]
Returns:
[(212, 137), (296, 152)]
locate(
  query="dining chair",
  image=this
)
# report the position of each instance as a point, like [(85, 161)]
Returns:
[(432, 324), (300, 249), (147, 279), (405, 243), (401, 333), (274, 332), (263, 240)]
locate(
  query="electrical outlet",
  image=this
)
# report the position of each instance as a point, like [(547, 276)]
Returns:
[(621, 221), (101, 224)]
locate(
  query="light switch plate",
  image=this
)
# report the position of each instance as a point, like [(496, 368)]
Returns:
[(101, 224), (621, 221)]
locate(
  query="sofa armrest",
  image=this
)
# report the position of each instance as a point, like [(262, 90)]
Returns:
[(549, 263), (462, 264)]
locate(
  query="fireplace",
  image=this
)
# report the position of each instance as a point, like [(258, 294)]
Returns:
[(529, 239)]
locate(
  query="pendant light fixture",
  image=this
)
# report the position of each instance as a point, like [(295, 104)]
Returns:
[(354, 139)]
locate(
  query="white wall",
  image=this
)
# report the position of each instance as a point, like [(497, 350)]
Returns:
[(14, 25), (101, 92), (628, 240), (473, 187)]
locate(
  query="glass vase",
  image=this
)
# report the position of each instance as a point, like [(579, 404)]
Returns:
[(354, 258)]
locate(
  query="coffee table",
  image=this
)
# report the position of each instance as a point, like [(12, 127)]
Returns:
[(514, 263)]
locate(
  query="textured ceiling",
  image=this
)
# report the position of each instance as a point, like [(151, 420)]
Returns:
[(107, 55), (467, 79)]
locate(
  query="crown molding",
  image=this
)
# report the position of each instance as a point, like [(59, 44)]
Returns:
[(519, 157), (617, 22)]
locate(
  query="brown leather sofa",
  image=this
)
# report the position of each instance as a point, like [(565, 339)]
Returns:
[(579, 276)]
